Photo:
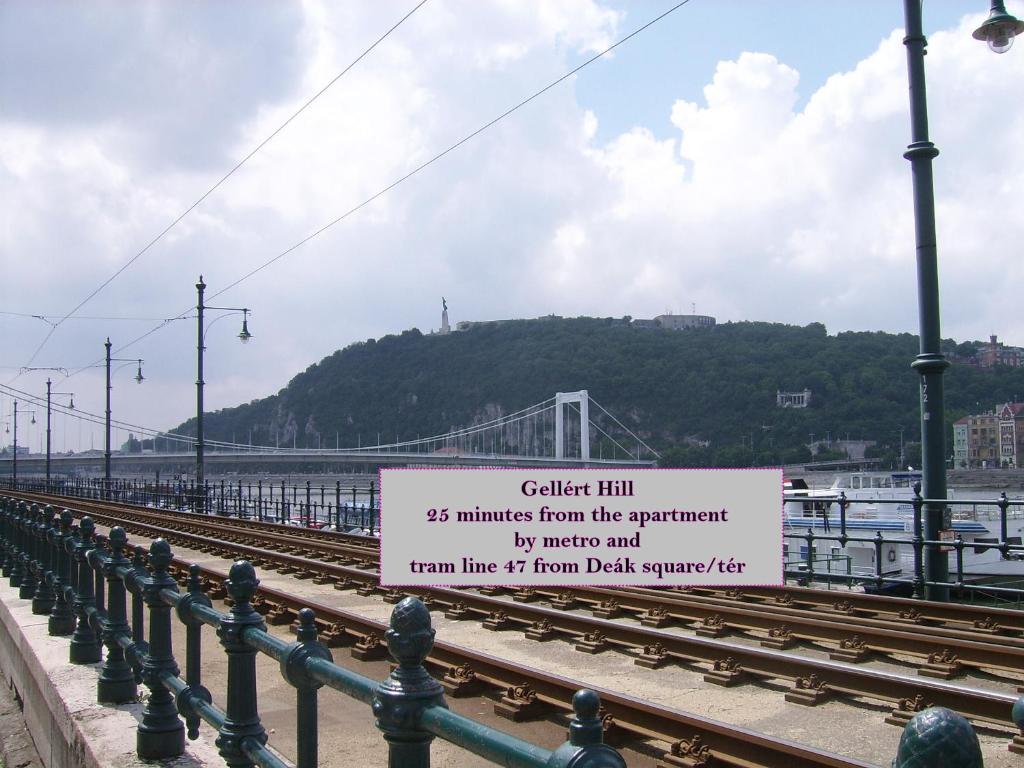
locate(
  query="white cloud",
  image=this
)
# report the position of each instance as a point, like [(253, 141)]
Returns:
[(752, 210)]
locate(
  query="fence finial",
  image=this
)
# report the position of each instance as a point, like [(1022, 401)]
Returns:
[(242, 582), (402, 698), (585, 747), (938, 737)]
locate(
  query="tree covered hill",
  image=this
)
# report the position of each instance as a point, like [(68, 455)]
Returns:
[(676, 389)]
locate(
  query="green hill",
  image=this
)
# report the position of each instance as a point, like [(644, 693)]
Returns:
[(676, 389)]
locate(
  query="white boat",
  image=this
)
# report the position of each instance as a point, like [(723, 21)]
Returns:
[(882, 502)]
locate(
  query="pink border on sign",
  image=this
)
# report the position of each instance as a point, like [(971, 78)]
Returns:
[(782, 520)]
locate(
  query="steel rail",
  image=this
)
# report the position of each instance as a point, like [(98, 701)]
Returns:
[(909, 612), (816, 678), (923, 612), (975, 648), (240, 522), (945, 652), (689, 738)]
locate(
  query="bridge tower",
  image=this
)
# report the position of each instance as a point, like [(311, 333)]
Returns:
[(561, 400)]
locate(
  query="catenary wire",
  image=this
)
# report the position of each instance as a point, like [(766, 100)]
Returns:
[(427, 163), (451, 148), (412, 173)]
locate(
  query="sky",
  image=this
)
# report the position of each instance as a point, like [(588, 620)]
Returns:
[(739, 157)]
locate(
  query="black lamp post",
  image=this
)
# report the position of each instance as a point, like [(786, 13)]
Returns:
[(49, 394), (999, 30), (14, 462), (139, 378), (244, 336)]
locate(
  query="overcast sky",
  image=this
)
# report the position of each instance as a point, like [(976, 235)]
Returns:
[(740, 157)]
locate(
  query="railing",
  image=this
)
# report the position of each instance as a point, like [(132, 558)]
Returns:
[(883, 575), (322, 506), (83, 584)]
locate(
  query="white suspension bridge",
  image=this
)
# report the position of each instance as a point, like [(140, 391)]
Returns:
[(570, 429)]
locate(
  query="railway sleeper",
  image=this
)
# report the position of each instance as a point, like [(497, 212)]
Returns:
[(726, 673), (497, 621), (521, 703), (779, 639), (808, 691), (369, 648), (852, 650), (461, 681)]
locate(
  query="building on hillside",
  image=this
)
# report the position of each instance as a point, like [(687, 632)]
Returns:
[(996, 353), (1011, 435), (960, 442), (793, 399), (683, 322), (983, 440)]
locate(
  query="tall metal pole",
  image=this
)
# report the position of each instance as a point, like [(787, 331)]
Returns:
[(200, 491), (14, 465), (47, 433), (930, 363), (106, 449)]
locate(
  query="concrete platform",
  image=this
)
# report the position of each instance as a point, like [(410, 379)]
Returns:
[(66, 725)]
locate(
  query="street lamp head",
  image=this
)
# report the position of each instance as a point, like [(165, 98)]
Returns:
[(33, 421), (139, 378), (244, 336), (999, 28), (71, 405)]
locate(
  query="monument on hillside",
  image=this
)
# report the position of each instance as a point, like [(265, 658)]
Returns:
[(445, 327)]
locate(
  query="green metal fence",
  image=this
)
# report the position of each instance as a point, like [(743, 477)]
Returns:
[(85, 587)]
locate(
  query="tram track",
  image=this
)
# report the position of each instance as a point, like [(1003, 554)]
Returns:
[(942, 651), (812, 680), (909, 613), (525, 693)]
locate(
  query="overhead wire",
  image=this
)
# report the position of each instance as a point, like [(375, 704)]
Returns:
[(422, 166), (436, 157), (453, 147), (224, 178)]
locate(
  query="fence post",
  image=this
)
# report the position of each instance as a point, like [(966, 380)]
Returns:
[(6, 514), (139, 576), (402, 697), (14, 526), (918, 543), (938, 737), (242, 720), (85, 646), (43, 600), (293, 668), (372, 490), (62, 619), (27, 588), (337, 504), (193, 651), (161, 734), (116, 684)]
